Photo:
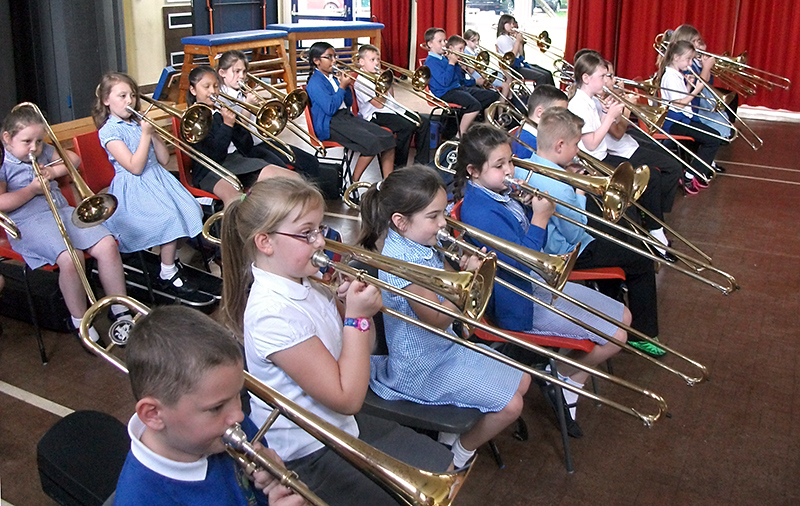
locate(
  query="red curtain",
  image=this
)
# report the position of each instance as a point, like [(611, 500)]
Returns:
[(395, 15), (769, 33), (624, 30), (445, 14), (592, 25), (636, 56)]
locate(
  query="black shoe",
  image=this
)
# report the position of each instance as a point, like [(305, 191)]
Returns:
[(718, 169), (666, 255), (168, 285), (573, 429)]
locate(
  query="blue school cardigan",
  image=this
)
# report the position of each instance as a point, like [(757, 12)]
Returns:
[(325, 101), (506, 309)]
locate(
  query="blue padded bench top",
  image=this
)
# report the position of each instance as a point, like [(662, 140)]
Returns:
[(326, 25), (227, 38)]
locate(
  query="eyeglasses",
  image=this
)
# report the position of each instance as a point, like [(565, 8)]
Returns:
[(328, 57), (310, 237)]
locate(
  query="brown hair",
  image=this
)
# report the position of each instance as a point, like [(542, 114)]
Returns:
[(366, 48), (264, 207), (18, 120), (675, 48), (172, 348), (587, 64), (430, 33), (100, 111), (229, 59)]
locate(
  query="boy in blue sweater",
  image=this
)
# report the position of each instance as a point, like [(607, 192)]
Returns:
[(448, 80), (186, 372)]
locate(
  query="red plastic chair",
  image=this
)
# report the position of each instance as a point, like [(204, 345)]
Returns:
[(95, 167)]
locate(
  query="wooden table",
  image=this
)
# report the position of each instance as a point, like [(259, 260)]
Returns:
[(315, 30)]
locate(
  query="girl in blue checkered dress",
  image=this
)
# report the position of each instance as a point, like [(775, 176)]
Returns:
[(154, 209), (408, 208)]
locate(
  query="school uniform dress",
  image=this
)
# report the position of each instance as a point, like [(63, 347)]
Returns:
[(281, 314), (149, 478), (391, 116), (41, 242), (448, 83), (506, 218), (332, 118), (427, 369), (673, 87), (532, 72), (154, 208), (563, 237)]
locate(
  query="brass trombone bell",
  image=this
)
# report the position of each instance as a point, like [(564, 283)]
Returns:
[(407, 484), (93, 209), (194, 122)]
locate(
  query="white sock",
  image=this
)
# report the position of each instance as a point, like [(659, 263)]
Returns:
[(167, 271), (662, 238), (571, 397), (687, 176), (447, 438), (460, 455), (117, 309), (93, 335)]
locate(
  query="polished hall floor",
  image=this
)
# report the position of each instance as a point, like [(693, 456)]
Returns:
[(731, 441)]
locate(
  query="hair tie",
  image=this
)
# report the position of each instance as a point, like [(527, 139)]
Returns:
[(241, 199), (378, 185), (218, 56)]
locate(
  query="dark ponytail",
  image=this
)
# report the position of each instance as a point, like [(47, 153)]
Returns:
[(404, 191), (474, 149)]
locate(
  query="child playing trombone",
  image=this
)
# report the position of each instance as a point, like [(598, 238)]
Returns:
[(384, 110)]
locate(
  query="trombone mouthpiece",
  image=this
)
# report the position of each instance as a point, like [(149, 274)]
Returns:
[(321, 260), (235, 437)]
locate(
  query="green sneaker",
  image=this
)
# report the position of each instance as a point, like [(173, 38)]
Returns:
[(648, 347)]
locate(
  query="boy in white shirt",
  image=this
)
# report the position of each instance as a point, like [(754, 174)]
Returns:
[(387, 112)]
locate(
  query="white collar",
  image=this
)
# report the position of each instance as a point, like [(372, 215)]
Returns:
[(180, 471), (530, 128), (281, 285)]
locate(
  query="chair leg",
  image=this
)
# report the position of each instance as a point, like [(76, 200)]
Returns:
[(496, 454), (562, 421), (147, 280), (521, 433), (34, 318)]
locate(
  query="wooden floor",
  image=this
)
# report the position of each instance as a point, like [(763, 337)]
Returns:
[(732, 441)]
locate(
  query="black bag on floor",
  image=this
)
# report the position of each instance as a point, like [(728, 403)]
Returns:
[(329, 182), (81, 456), (51, 310)]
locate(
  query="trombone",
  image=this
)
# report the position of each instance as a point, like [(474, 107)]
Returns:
[(465, 315), (271, 119), (654, 118), (9, 226), (295, 102), (556, 289), (420, 79), (93, 208), (720, 104), (194, 125), (698, 265), (383, 82), (728, 68), (408, 485)]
